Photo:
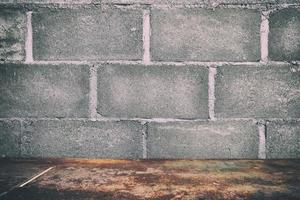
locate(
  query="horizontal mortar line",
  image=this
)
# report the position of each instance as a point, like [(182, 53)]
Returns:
[(150, 119), (155, 63), (226, 5), (104, 119), (86, 62), (147, 2), (209, 63)]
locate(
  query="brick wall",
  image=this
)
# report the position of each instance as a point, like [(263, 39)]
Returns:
[(150, 79)]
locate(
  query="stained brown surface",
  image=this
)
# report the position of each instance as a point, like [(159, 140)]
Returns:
[(164, 179)]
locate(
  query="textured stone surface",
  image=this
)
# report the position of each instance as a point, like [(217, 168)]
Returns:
[(44, 90), (10, 138), (264, 91), (283, 140), (87, 34), (205, 35), (12, 34), (153, 91), (284, 42), (68, 138), (200, 140), (206, 2)]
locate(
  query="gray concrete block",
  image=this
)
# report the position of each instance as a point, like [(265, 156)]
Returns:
[(44, 90), (74, 138), (284, 36), (180, 34), (201, 140), (10, 138), (153, 91), (259, 92), (87, 34), (12, 34), (283, 140)]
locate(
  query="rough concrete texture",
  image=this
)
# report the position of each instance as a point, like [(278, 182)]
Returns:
[(206, 2), (44, 90), (284, 42), (10, 138), (153, 91), (180, 34), (259, 92), (12, 34), (202, 140), (283, 140), (72, 138), (87, 34)]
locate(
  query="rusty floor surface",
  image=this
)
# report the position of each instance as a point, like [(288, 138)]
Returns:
[(164, 179)]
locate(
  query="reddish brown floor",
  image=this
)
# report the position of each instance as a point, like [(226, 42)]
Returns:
[(164, 179)]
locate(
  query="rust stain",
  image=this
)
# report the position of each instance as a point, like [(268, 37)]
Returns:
[(166, 179)]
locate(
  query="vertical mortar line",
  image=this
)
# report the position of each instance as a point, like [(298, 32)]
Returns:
[(144, 140), (146, 61), (211, 92), (146, 36), (262, 141), (93, 93), (264, 36), (28, 42)]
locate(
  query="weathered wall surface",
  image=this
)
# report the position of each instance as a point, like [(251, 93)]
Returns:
[(150, 79)]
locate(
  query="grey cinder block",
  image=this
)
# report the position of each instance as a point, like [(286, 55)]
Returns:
[(87, 34), (12, 34), (283, 139), (76, 138), (259, 92), (284, 42), (44, 90), (153, 91), (205, 35), (202, 140)]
